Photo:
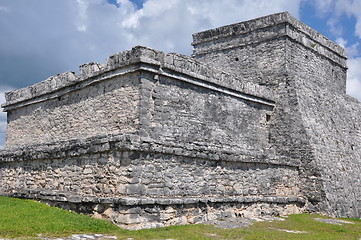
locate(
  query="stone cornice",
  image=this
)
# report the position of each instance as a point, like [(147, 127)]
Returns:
[(133, 142), (48, 195), (172, 65), (264, 29)]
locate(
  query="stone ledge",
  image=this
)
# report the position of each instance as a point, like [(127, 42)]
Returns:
[(133, 142), (58, 196), (127, 62), (139, 213)]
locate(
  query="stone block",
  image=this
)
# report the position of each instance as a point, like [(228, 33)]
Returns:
[(135, 189)]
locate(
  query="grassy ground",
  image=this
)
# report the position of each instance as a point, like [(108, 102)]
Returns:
[(27, 219)]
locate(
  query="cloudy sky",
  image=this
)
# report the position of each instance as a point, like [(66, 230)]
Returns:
[(40, 38)]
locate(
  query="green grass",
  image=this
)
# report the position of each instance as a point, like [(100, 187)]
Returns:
[(305, 222), (27, 219)]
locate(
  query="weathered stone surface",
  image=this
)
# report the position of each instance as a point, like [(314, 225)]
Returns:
[(314, 120), (136, 213), (100, 174), (256, 123)]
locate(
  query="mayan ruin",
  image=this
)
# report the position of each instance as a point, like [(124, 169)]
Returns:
[(256, 122)]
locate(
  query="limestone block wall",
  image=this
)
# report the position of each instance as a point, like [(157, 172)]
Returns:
[(257, 123), (150, 186), (165, 99), (78, 114), (257, 50), (146, 174), (333, 125), (121, 96), (145, 133), (313, 120), (179, 114), (247, 57)]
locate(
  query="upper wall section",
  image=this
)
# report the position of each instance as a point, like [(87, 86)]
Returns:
[(258, 30), (125, 62), (258, 50), (107, 99)]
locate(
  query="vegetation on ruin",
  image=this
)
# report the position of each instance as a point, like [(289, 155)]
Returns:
[(26, 219)]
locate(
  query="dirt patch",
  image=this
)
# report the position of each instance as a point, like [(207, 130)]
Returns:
[(333, 221), (230, 223)]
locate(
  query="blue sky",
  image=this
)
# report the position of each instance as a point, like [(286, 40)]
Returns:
[(40, 38)]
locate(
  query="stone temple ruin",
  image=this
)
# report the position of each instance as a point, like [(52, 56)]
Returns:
[(256, 122)]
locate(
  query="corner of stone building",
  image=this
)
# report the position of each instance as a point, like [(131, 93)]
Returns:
[(318, 68), (307, 73)]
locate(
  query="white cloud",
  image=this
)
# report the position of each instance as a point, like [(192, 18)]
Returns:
[(4, 9), (334, 26), (341, 41), (323, 6), (59, 35), (353, 50), (351, 8), (168, 24), (82, 15), (353, 87)]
